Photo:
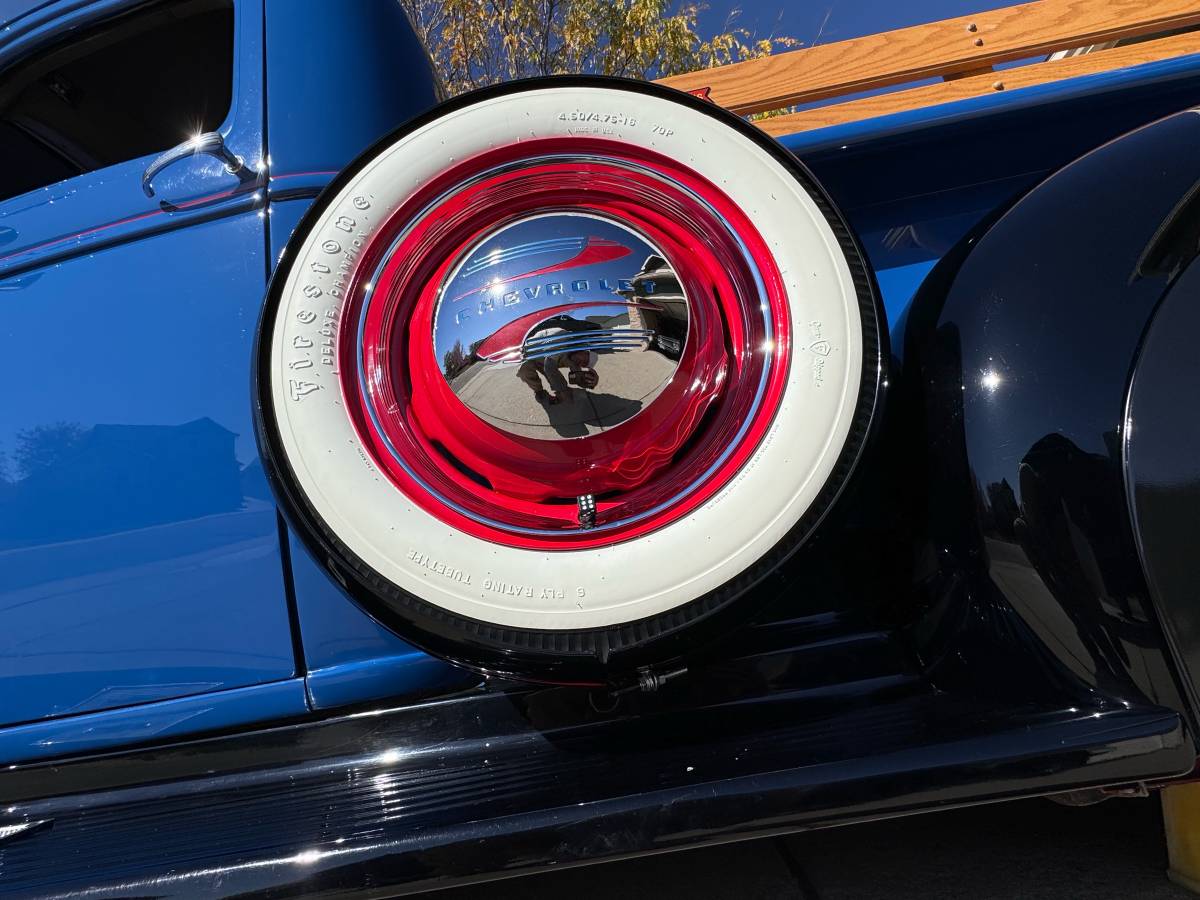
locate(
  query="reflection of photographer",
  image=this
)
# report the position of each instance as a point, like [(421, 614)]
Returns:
[(581, 372), (584, 376), (580, 364)]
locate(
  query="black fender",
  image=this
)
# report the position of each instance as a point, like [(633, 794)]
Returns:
[(1162, 458), (1020, 352)]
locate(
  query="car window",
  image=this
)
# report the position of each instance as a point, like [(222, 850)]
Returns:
[(140, 84)]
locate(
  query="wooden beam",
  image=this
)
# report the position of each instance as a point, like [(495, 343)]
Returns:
[(991, 83), (934, 50), (966, 73)]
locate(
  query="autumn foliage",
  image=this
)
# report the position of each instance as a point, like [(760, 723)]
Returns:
[(479, 42)]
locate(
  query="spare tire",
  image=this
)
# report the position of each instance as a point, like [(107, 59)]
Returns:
[(550, 377)]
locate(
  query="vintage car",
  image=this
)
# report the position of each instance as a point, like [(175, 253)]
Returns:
[(415, 492)]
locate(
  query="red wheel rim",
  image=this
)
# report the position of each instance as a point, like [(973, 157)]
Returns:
[(644, 473)]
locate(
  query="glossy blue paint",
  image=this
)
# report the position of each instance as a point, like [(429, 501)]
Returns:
[(400, 678), (321, 116), (138, 549), (914, 183), (910, 184), (107, 207), (283, 218), (329, 104), (152, 722), (349, 657), (139, 554), (14, 9), (1102, 87), (898, 285)]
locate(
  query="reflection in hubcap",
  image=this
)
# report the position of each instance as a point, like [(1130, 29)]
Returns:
[(565, 350), (560, 325)]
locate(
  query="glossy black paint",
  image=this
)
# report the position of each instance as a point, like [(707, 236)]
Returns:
[(912, 193), (1021, 347), (1163, 461), (384, 803)]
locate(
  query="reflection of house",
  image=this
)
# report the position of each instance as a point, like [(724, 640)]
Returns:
[(657, 284), (253, 481), (620, 320), (118, 477)]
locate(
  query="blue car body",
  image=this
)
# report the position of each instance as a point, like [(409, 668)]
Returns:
[(169, 607), (151, 593)]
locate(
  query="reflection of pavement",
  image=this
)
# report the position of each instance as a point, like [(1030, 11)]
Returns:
[(627, 382)]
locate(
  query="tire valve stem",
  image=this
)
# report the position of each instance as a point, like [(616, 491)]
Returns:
[(587, 510), (649, 681)]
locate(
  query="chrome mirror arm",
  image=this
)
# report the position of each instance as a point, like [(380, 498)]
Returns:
[(210, 143)]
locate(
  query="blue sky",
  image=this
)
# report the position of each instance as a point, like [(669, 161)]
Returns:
[(827, 21)]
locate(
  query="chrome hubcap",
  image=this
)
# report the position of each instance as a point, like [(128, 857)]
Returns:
[(560, 325)]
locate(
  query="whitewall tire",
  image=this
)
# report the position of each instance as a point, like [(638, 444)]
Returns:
[(484, 588)]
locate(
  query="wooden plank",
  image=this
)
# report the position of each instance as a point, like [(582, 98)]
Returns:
[(967, 73), (960, 89), (934, 50)]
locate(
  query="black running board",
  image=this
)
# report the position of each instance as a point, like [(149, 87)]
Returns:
[(461, 790)]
